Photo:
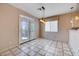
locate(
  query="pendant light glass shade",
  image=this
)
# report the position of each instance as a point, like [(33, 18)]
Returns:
[(43, 20)]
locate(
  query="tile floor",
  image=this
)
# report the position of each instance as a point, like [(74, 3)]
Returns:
[(40, 47)]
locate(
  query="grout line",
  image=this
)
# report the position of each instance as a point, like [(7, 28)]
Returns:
[(70, 50), (62, 49), (56, 48), (23, 51)]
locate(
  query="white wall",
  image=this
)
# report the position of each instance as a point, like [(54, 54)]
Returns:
[(60, 36), (74, 41)]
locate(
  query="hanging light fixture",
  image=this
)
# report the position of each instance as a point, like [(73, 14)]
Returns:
[(42, 9), (72, 22)]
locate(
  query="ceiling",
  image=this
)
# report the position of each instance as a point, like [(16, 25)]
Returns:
[(51, 9)]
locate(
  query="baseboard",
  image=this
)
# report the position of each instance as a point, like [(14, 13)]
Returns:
[(8, 48), (11, 47), (28, 41)]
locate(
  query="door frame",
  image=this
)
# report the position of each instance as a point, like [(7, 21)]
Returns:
[(20, 27)]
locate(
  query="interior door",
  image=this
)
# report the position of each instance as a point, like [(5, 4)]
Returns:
[(24, 30)]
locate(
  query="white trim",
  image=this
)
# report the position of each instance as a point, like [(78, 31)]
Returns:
[(25, 17)]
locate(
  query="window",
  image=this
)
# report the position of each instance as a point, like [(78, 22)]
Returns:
[(51, 26), (32, 27)]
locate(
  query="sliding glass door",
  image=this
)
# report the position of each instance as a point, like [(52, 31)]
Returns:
[(23, 30)]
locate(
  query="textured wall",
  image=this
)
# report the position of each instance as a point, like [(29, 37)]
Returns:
[(64, 26), (9, 26)]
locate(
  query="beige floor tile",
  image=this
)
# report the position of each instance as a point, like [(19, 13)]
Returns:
[(40, 47), (15, 51)]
